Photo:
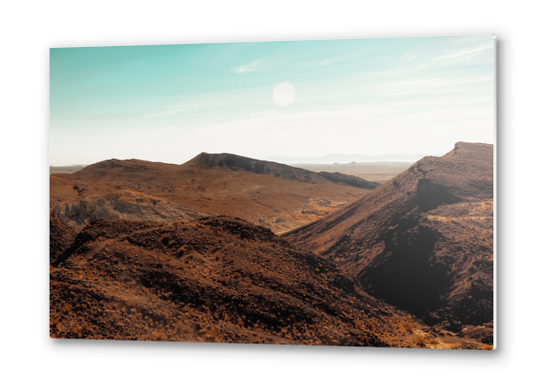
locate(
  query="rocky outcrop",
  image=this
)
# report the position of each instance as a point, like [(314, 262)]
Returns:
[(424, 240)]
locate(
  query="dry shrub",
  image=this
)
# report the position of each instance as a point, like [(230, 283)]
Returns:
[(158, 335), (420, 341), (408, 326)]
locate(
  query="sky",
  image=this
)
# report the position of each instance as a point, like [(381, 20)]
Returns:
[(310, 98)]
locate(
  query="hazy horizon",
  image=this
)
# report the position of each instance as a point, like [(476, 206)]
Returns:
[(300, 99), (326, 159)]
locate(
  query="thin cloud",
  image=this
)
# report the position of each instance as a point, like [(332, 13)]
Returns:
[(175, 108), (252, 67), (169, 111), (458, 57), (465, 54), (364, 126), (410, 55)]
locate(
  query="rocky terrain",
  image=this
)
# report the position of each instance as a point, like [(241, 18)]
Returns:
[(218, 280), (423, 241), (153, 251), (273, 195), (123, 204)]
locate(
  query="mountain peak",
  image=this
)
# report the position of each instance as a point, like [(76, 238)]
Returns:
[(471, 150), (428, 230), (234, 162)]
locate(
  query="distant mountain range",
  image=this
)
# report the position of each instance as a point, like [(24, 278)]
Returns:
[(342, 159), (327, 159), (66, 168)]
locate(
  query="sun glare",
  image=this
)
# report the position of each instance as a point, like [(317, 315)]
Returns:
[(284, 94)]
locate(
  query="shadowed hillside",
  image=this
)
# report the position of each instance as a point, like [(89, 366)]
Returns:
[(215, 280), (423, 241)]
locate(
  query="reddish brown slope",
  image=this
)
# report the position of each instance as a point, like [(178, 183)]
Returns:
[(280, 198), (424, 240), (121, 205), (219, 279)]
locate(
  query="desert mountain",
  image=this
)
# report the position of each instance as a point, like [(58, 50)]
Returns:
[(277, 196), (142, 251), (215, 280), (423, 241), (211, 280), (234, 162)]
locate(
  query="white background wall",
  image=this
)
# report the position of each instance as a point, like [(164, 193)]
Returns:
[(29, 29)]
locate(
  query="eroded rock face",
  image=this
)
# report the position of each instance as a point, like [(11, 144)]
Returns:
[(424, 240), (61, 236), (121, 205)]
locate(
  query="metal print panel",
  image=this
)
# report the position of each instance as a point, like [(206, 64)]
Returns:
[(329, 193)]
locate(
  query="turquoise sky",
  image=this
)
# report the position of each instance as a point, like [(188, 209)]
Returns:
[(365, 96)]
